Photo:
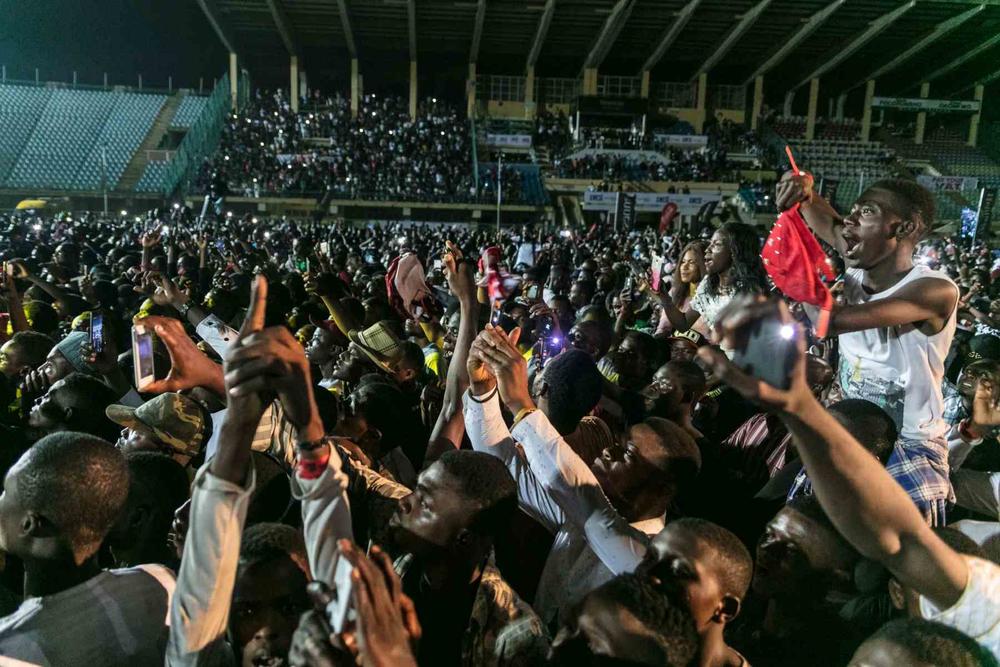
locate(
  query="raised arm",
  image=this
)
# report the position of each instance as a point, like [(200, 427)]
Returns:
[(272, 360), (199, 612), (864, 502), (929, 300), (562, 474), (821, 217), (680, 320), (450, 426)]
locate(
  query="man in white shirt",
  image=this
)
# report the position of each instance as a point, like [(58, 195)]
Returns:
[(639, 477), (867, 506), (897, 325), (60, 500)]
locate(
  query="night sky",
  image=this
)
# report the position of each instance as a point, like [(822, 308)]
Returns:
[(155, 38)]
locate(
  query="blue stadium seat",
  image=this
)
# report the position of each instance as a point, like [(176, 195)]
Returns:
[(64, 145)]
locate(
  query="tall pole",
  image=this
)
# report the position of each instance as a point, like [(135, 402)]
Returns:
[(499, 190), (104, 174)]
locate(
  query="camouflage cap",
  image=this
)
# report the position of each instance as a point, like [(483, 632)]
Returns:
[(174, 419)]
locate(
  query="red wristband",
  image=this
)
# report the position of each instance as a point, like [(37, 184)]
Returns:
[(312, 468)]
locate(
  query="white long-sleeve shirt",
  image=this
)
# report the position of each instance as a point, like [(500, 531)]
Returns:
[(593, 542), (326, 516), (199, 612)]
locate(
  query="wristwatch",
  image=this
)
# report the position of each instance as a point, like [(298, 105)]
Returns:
[(184, 308)]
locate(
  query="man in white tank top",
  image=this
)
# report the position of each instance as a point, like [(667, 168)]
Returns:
[(897, 326)]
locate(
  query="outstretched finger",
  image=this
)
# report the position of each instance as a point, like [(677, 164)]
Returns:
[(254, 320)]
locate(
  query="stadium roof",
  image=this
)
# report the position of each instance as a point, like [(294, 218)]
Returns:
[(843, 41)]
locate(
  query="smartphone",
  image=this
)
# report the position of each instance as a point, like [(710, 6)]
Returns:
[(324, 247), (505, 322), (769, 354), (142, 356), (437, 264), (97, 332), (532, 292), (338, 608)]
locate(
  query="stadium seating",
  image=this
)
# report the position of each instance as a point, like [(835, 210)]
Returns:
[(188, 111), (124, 131), (152, 179), (63, 147), (840, 159), (20, 107)]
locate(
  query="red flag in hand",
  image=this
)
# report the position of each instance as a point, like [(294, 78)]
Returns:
[(796, 263)]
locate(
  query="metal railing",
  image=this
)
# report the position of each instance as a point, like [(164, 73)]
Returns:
[(203, 137)]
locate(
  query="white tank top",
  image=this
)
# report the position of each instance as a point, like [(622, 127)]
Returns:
[(898, 368)]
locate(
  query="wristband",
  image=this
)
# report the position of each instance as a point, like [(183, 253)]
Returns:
[(521, 414), (312, 468), (485, 398), (184, 308)]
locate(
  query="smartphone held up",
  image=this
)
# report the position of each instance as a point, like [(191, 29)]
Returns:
[(142, 356)]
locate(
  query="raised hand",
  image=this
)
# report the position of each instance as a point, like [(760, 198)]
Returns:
[(189, 367), (105, 361), (985, 414), (18, 269), (387, 623), (151, 238), (458, 273), (270, 360), (792, 189), (499, 351), (733, 327), (480, 376)]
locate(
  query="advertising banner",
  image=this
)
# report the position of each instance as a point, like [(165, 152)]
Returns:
[(921, 104), (649, 202)]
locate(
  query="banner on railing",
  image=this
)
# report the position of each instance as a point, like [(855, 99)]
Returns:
[(508, 140), (921, 104), (948, 183), (682, 140), (649, 202), (984, 212)]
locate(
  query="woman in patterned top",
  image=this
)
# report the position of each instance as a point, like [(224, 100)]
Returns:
[(733, 266)]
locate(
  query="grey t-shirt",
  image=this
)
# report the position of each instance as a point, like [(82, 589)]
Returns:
[(118, 617)]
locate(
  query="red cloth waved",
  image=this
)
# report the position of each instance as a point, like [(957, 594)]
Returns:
[(797, 264)]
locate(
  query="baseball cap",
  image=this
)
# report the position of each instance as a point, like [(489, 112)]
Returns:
[(691, 336), (984, 346), (173, 419)]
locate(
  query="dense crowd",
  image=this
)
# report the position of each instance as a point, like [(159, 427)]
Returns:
[(432, 445), (266, 149), (703, 164)]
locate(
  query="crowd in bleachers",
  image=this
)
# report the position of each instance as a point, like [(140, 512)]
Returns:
[(552, 132), (679, 165), (381, 154), (794, 127)]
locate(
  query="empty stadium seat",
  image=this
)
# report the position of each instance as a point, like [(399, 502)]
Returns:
[(188, 111), (59, 140)]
